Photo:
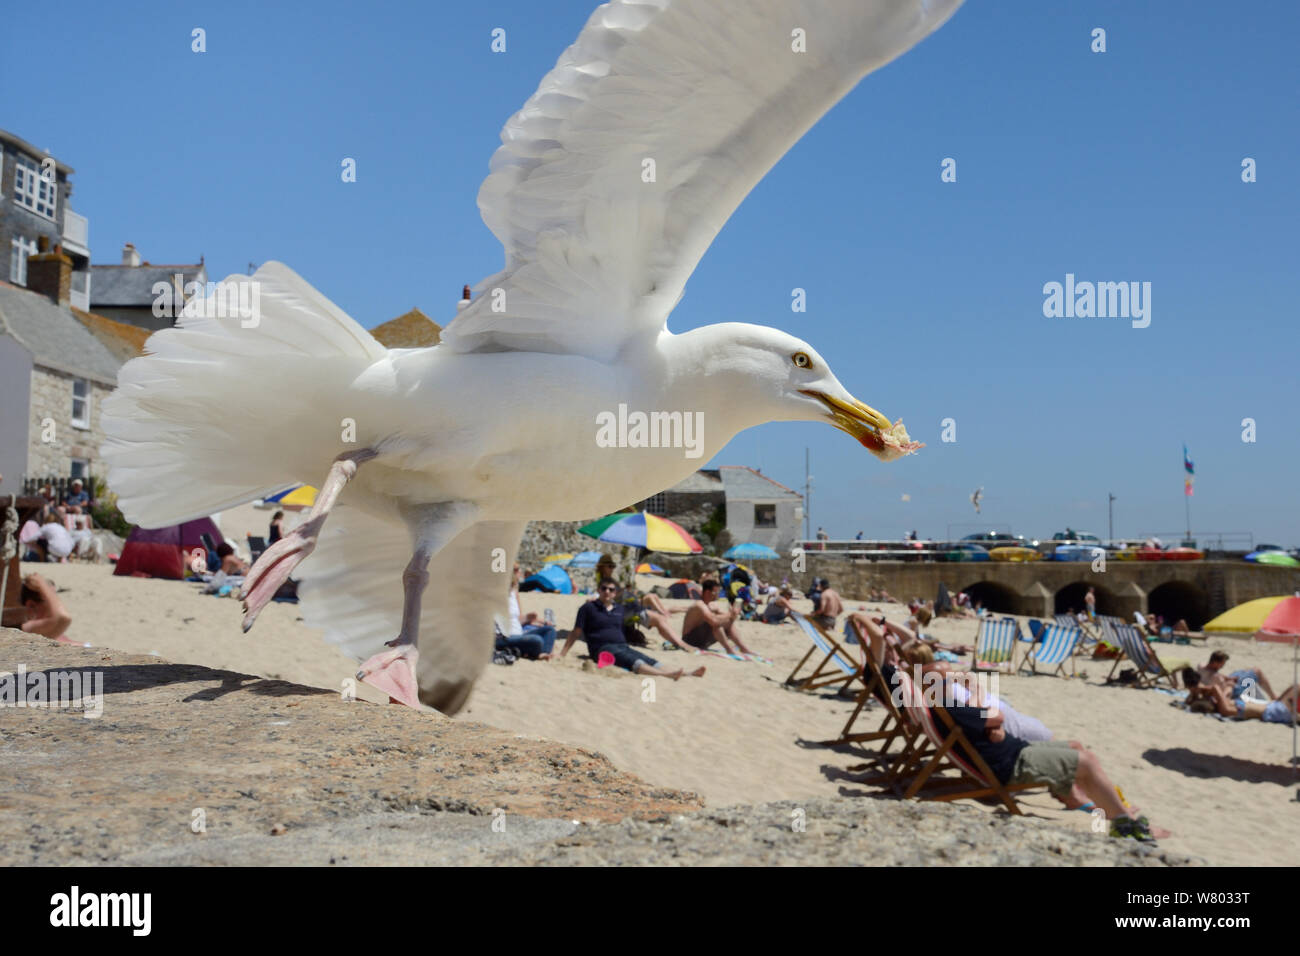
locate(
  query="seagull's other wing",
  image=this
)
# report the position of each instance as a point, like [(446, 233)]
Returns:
[(353, 591), (711, 93)]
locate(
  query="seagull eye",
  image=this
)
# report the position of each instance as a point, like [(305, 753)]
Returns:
[(801, 360)]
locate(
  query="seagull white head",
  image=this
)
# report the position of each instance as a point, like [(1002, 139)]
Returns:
[(779, 377)]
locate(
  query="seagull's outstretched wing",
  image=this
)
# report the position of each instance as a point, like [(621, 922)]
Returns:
[(355, 595), (614, 178)]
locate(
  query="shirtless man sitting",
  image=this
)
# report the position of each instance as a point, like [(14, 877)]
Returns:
[(1236, 682), (829, 606), (704, 626)]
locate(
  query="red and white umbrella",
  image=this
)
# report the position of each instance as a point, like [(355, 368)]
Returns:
[(1283, 626)]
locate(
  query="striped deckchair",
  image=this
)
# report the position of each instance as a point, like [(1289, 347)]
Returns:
[(1056, 645), (1150, 672), (995, 644), (835, 666), (876, 690), (941, 745)]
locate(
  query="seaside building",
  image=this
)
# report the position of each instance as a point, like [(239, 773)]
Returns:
[(127, 291), (57, 364), (739, 502), (34, 194)]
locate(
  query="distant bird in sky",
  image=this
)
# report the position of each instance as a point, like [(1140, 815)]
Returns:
[(609, 186), (976, 497)]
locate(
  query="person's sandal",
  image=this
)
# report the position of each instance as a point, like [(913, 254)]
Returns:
[(1127, 827)]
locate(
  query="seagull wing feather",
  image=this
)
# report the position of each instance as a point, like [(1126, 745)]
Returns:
[(713, 93)]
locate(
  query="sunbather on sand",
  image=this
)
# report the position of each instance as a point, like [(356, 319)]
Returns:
[(600, 624), (779, 607), (46, 614), (230, 562), (1236, 682), (704, 625), (1214, 698)]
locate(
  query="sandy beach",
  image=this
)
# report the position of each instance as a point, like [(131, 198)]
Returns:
[(737, 736)]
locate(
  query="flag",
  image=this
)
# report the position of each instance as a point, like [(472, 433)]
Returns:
[(1187, 464), (1187, 487)]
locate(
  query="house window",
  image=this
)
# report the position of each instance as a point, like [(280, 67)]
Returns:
[(80, 468), (19, 250), (80, 403), (655, 504), (31, 189), (764, 516)]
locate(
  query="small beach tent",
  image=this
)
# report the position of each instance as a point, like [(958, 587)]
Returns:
[(550, 578), (160, 552), (1245, 618)]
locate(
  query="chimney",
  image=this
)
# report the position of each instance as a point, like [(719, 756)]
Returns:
[(129, 256), (464, 299), (50, 272)]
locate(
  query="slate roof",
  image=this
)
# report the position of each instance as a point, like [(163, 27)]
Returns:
[(54, 336), (704, 481), (133, 285), (742, 482), (414, 330)]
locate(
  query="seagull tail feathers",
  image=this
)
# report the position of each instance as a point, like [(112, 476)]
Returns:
[(231, 404)]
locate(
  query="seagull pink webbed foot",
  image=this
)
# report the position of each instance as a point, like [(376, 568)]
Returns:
[(272, 569), (393, 672)]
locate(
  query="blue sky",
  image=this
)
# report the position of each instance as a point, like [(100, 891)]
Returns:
[(926, 296)]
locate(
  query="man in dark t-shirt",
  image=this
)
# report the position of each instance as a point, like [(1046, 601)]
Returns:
[(600, 623), (1063, 767)]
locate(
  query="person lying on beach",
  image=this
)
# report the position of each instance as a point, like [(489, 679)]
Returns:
[(902, 635), (46, 614), (1066, 768), (51, 541), (1207, 698), (778, 607), (230, 562), (528, 635), (600, 624), (705, 625), (1233, 684), (829, 606)]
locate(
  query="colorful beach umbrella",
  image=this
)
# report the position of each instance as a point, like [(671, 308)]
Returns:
[(300, 496), (1283, 626), (751, 550), (585, 559), (646, 567), (1245, 618), (643, 530), (563, 558)]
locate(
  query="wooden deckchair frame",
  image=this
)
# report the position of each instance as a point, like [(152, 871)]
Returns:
[(950, 750), (827, 673), (1147, 676), (874, 687)]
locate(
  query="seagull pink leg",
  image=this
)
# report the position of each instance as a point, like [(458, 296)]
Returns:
[(393, 671), (278, 561)]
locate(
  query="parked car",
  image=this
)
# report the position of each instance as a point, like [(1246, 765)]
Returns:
[(1070, 536), (996, 539)]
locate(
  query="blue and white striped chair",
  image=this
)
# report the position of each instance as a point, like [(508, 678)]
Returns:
[(995, 644), (836, 665), (1150, 671), (1056, 644)]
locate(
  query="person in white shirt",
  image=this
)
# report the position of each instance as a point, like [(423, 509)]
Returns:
[(528, 636)]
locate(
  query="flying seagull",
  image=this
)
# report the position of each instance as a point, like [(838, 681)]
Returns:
[(608, 188), (976, 497)]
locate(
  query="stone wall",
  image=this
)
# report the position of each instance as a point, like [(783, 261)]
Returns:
[(52, 398), (542, 538)]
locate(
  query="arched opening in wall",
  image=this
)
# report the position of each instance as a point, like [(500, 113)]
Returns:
[(994, 597), (1175, 600), (1071, 598)]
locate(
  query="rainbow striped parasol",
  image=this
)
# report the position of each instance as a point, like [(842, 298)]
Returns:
[(643, 530)]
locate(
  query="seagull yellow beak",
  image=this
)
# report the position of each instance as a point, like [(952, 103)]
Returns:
[(877, 434)]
